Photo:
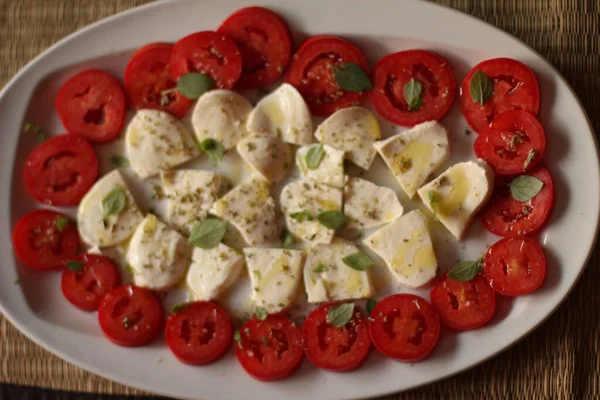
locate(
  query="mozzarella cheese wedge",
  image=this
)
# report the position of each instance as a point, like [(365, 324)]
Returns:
[(221, 115), (367, 205), (328, 278), (330, 170), (156, 141), (268, 156), (353, 130), (275, 275), (310, 198), (406, 248), (413, 155), (95, 228), (212, 271), (282, 113), (190, 193), (158, 255), (251, 209), (458, 194)]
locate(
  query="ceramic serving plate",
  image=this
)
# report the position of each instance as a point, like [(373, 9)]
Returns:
[(378, 27)]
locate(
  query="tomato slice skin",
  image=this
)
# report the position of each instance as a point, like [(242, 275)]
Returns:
[(209, 53), (394, 71), (148, 74), (505, 216), (265, 43), (311, 72), (404, 327), (463, 305), (61, 170), (130, 316), (92, 104), (86, 287), (508, 142), (515, 87), (336, 349), (515, 266), (40, 245), (270, 349), (199, 333)]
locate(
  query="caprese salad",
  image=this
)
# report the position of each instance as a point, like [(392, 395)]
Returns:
[(294, 213)]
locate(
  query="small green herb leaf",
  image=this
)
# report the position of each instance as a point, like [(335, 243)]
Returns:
[(74, 265), (236, 336), (287, 239), (340, 315), (433, 203), (358, 261), (525, 187), (36, 130), (17, 282), (351, 77), (179, 307), (319, 268), (120, 161), (371, 303), (193, 85), (412, 94), (114, 202), (332, 219), (213, 149), (480, 87), (301, 216), (314, 156), (530, 157), (261, 313), (208, 233), (465, 270), (61, 222)]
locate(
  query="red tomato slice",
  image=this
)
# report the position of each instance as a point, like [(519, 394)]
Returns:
[(311, 72), (463, 305), (41, 245), (199, 333), (148, 74), (393, 72), (336, 349), (515, 266), (92, 104), (208, 53), (61, 170), (86, 287), (130, 316), (270, 350), (404, 327), (515, 87), (506, 216), (265, 42), (514, 143)]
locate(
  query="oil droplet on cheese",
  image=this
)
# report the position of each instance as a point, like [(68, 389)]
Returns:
[(414, 159), (328, 204), (274, 112), (422, 257), (460, 187)]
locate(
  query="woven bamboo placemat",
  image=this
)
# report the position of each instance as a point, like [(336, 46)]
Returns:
[(560, 360)]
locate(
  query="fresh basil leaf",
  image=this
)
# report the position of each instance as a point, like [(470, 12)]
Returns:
[(120, 161), (61, 222), (74, 265), (208, 233), (351, 77), (465, 270), (480, 87), (194, 84), (525, 187), (287, 239), (530, 157), (371, 303), (319, 268), (213, 149), (314, 156), (340, 315), (332, 219), (114, 202), (412, 94), (36, 130), (261, 313), (358, 261), (301, 216)]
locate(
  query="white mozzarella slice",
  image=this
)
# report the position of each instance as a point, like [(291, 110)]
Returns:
[(328, 278), (458, 194), (275, 275), (282, 113), (406, 248), (212, 271), (414, 155), (268, 156), (221, 115), (367, 205), (352, 130), (158, 255), (251, 209), (330, 170), (97, 229), (190, 194), (313, 198)]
